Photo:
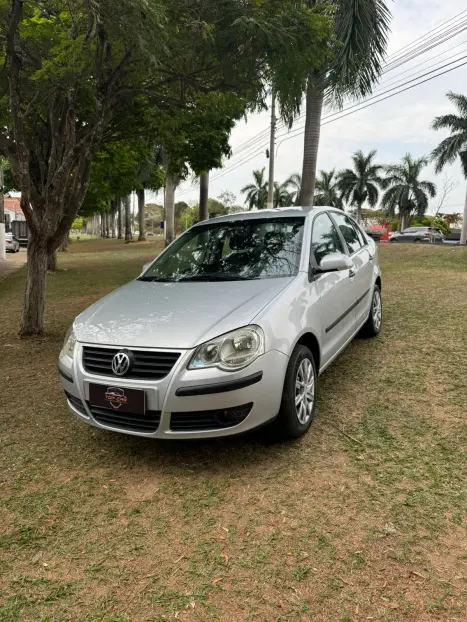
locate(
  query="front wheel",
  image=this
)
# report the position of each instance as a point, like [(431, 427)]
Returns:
[(374, 323), (298, 404)]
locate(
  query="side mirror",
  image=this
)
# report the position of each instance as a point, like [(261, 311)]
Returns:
[(336, 262)]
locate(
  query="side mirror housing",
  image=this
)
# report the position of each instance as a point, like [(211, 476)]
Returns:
[(336, 262)]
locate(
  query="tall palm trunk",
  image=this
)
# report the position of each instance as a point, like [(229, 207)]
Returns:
[(358, 216), (203, 196), (314, 108), (141, 206), (464, 224), (169, 206), (128, 236)]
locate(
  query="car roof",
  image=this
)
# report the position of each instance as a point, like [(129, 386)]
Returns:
[(277, 212)]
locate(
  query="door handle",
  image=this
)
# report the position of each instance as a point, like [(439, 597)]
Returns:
[(351, 273)]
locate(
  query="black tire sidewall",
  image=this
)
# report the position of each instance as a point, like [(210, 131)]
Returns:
[(288, 421)]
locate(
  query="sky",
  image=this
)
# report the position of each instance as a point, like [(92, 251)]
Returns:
[(394, 127)]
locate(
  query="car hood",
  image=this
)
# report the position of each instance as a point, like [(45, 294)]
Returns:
[(174, 315)]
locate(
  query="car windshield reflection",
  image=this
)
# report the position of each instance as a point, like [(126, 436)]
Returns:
[(233, 251)]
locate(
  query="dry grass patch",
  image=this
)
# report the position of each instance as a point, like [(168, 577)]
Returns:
[(362, 519)]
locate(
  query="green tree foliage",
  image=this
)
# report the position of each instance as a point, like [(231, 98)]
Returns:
[(80, 74), (257, 192), (405, 191), (362, 183), (327, 190), (454, 145)]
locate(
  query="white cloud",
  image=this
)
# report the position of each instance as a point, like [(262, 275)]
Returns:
[(393, 127)]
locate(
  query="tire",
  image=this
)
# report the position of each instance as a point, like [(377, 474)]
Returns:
[(417, 241), (374, 323), (294, 421)]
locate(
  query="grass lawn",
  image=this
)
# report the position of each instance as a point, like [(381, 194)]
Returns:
[(363, 519)]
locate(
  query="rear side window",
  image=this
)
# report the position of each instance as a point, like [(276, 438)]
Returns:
[(348, 231), (325, 238)]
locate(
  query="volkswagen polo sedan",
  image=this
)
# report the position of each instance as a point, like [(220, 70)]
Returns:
[(228, 329)]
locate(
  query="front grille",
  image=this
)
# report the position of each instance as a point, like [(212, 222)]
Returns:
[(148, 422), (209, 419), (147, 365), (77, 403)]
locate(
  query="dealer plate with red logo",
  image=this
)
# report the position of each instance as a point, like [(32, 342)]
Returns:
[(118, 398)]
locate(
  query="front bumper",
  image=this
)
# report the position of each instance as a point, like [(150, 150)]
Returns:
[(252, 395)]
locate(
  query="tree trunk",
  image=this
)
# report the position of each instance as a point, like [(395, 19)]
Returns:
[(203, 196), (169, 206), (52, 261), (119, 219), (113, 211), (358, 215), (314, 108), (106, 221), (141, 207), (128, 236), (32, 319), (464, 224)]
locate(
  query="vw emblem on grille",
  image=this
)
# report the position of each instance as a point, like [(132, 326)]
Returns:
[(121, 364)]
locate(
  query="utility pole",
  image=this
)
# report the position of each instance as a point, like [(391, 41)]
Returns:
[(2, 217), (272, 152)]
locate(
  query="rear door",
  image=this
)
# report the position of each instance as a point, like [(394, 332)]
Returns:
[(362, 279), (335, 289)]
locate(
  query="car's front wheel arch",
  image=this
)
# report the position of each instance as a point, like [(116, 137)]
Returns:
[(310, 340)]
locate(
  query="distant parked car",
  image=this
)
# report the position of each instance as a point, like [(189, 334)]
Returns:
[(11, 243), (374, 235), (418, 234), (454, 238)]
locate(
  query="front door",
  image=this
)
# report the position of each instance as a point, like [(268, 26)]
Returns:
[(335, 289), (362, 259)]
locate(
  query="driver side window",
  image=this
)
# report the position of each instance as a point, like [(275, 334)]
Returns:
[(325, 238)]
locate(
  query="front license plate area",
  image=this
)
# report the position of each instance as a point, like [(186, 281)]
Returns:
[(118, 398)]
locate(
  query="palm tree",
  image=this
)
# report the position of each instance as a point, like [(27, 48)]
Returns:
[(294, 182), (257, 192), (361, 30), (452, 220), (405, 191), (282, 197), (327, 190), (455, 144), (362, 183)]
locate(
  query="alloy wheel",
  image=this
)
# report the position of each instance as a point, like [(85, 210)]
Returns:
[(377, 309), (304, 391)]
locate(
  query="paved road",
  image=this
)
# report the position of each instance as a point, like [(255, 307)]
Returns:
[(12, 263)]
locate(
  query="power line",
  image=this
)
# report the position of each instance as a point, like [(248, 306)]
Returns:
[(359, 106), (409, 45)]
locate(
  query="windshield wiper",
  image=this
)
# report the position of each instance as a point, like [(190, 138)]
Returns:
[(156, 279), (217, 277)]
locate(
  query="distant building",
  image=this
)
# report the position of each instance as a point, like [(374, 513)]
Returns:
[(13, 211)]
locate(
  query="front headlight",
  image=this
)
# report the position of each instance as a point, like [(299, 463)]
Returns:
[(69, 343), (231, 351)]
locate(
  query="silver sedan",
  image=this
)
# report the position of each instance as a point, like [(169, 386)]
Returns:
[(228, 329)]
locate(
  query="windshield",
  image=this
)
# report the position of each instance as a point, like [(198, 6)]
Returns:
[(236, 250)]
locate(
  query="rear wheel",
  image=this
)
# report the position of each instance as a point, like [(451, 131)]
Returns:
[(299, 396), (374, 323), (417, 241)]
